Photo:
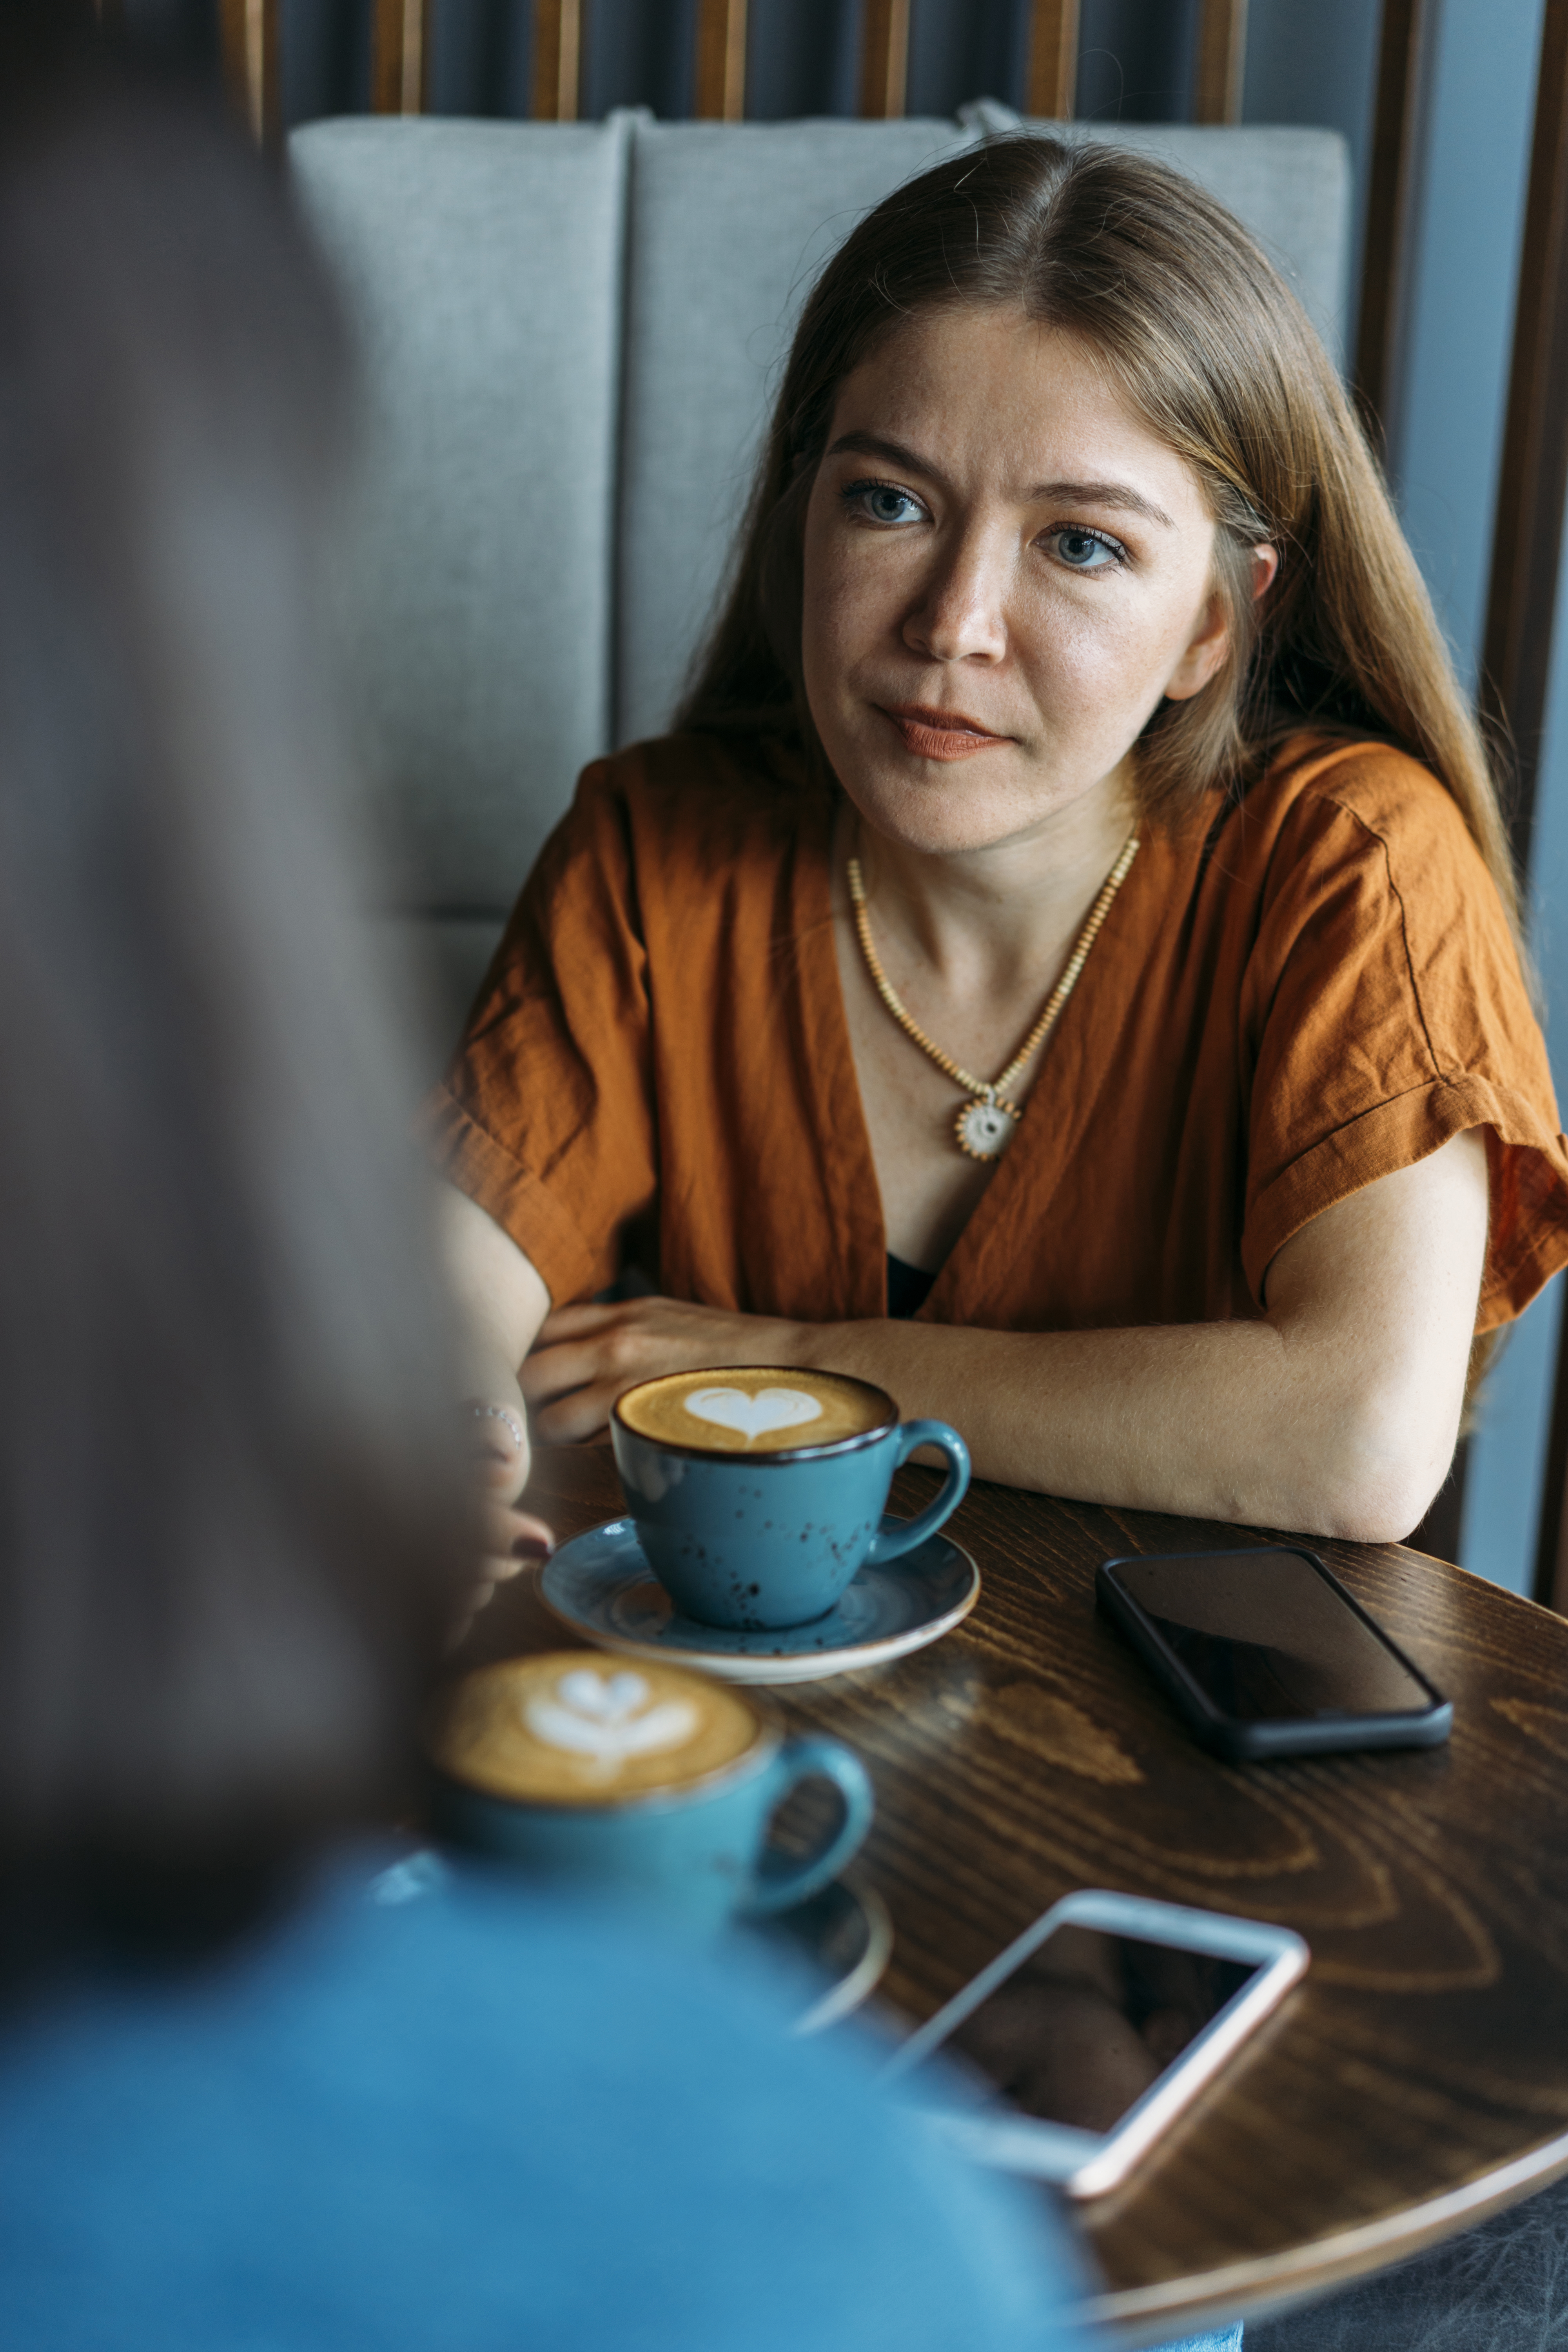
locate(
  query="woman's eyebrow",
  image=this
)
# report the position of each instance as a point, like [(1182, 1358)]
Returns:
[(875, 444), (1102, 494)]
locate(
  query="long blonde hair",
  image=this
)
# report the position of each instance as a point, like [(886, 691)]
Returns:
[(1215, 354)]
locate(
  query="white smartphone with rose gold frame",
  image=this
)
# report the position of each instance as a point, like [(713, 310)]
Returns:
[(1088, 2036)]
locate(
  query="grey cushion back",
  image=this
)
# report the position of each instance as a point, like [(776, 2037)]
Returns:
[(569, 335), (483, 266), (729, 227), (1291, 188)]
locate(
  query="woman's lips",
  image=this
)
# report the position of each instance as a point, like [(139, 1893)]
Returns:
[(940, 734)]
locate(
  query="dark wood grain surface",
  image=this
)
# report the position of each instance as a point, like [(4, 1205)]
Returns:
[(1419, 2077)]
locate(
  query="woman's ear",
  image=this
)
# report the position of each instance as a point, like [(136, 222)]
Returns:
[(1210, 642)]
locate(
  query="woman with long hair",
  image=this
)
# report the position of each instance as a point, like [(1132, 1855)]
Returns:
[(246, 2098), (1065, 969)]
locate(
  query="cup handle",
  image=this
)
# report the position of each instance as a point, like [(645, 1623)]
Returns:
[(891, 1543), (781, 1879)]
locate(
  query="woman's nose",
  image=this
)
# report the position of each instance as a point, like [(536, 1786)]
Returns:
[(962, 613)]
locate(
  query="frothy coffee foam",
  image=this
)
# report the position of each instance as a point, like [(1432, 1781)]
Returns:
[(751, 1410), (575, 1728)]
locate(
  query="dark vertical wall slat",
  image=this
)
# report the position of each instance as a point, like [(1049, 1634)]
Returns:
[(1533, 477), (1522, 603), (803, 58), (1053, 58), (1390, 184), (1136, 60), (1220, 68)]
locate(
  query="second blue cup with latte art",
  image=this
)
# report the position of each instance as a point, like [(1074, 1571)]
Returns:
[(758, 1494)]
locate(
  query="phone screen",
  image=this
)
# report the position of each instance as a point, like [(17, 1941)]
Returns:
[(1091, 2020), (1267, 1637)]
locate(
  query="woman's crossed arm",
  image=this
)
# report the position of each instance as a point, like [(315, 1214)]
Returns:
[(1335, 1413)]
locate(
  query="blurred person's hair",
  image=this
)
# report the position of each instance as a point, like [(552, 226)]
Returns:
[(1202, 338), (229, 1538)]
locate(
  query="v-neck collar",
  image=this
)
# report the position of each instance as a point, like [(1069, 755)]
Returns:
[(1080, 1057)]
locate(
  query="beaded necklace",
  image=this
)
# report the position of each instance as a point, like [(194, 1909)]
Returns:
[(986, 1125)]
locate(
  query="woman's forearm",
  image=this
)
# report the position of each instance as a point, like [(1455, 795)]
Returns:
[(1214, 1420), (1336, 1414)]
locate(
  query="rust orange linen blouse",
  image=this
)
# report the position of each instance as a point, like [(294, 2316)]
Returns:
[(1293, 996)]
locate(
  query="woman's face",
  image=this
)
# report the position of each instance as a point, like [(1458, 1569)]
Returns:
[(1005, 572)]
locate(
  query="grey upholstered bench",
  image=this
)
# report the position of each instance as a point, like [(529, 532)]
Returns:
[(569, 334)]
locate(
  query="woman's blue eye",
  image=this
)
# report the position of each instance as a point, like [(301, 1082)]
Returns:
[(1085, 551), (883, 503)]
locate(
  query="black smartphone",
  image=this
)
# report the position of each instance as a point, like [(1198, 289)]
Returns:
[(1266, 1654)]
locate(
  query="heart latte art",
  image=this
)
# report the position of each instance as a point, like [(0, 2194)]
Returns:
[(754, 1411), (754, 1417)]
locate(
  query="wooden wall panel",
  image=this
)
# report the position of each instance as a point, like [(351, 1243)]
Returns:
[(1221, 62), (1053, 60), (399, 56), (557, 60), (247, 34), (1390, 192), (885, 57), (720, 79)]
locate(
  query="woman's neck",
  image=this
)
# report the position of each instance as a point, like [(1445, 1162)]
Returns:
[(1005, 907)]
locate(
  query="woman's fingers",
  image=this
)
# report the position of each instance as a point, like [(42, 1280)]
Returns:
[(572, 1420), (588, 1355), (578, 1322), (556, 1371)]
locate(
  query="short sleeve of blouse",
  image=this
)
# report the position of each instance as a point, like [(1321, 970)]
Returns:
[(545, 1118), (1384, 1011)]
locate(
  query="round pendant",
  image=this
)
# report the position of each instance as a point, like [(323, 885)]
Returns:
[(984, 1129)]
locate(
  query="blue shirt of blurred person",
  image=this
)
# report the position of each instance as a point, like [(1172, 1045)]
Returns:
[(484, 2120)]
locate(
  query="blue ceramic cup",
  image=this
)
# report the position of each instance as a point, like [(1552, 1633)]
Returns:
[(638, 1782), (758, 1492)]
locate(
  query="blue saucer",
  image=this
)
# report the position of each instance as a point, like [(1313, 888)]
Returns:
[(601, 1585)]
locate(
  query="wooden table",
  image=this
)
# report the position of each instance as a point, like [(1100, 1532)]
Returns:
[(1418, 2079)]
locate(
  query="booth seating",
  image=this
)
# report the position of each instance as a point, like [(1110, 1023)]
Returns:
[(569, 335)]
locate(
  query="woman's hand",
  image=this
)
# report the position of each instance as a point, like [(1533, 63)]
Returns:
[(588, 1355)]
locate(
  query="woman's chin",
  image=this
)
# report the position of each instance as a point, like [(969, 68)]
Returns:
[(952, 813)]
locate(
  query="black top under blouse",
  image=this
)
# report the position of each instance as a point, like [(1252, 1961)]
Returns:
[(909, 1286)]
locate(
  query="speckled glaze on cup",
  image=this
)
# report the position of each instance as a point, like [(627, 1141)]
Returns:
[(760, 1540)]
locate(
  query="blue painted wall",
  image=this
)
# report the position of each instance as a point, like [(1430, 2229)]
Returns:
[(1446, 435)]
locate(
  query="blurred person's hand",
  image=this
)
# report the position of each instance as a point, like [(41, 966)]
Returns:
[(501, 1302), (499, 1459), (498, 1455)]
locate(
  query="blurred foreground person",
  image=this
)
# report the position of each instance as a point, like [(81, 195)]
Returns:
[(241, 2102)]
